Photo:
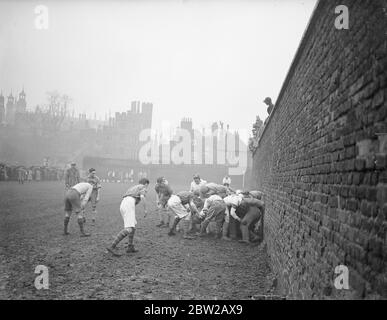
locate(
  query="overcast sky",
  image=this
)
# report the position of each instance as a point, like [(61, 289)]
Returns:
[(207, 60)]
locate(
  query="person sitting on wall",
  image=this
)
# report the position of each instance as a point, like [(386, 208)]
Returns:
[(269, 104)]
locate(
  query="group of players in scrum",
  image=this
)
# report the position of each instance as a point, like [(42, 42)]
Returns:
[(193, 210)]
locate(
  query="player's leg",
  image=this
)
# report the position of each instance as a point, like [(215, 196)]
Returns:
[(172, 231), (81, 223), (252, 214), (187, 226), (131, 225), (225, 226), (219, 219), (166, 216), (179, 211), (93, 200), (66, 223), (68, 210), (131, 248), (207, 220), (160, 214), (75, 200), (126, 203)]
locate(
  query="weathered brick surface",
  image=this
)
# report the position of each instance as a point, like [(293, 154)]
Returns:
[(322, 165)]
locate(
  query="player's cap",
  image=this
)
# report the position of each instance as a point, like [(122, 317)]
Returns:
[(91, 170), (196, 176), (267, 100), (73, 163)]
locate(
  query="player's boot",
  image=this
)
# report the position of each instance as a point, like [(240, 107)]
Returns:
[(66, 225), (203, 228), (113, 251), (245, 234), (172, 231), (81, 227), (131, 249)]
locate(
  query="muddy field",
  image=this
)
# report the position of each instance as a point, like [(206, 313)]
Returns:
[(31, 226)]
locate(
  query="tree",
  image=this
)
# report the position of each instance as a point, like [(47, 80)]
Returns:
[(54, 113)]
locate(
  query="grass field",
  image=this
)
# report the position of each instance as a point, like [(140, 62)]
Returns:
[(165, 267)]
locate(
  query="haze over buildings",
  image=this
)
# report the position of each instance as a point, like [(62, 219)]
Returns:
[(190, 58)]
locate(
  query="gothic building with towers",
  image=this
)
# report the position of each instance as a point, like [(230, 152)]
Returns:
[(14, 106)]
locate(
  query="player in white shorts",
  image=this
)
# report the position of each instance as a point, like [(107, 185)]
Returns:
[(131, 198), (182, 205)]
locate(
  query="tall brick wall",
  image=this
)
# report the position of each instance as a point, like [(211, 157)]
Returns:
[(322, 164)]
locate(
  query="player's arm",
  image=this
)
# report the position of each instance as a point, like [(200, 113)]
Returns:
[(192, 207), (67, 184), (233, 213), (98, 189), (157, 198), (142, 196), (86, 197)]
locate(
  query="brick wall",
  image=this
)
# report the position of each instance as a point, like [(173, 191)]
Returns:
[(322, 164)]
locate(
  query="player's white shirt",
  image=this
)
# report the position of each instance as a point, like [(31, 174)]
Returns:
[(233, 200), (227, 180), (85, 189), (196, 187), (210, 199)]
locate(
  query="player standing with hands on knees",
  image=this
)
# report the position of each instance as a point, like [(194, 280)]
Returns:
[(76, 199), (131, 198)]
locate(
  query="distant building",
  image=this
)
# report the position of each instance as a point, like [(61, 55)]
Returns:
[(10, 110), (2, 109), (120, 137)]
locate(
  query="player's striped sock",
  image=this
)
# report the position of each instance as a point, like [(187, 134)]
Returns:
[(121, 235), (131, 236)]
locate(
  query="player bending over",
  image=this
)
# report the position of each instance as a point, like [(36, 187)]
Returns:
[(73, 202), (214, 209), (182, 206)]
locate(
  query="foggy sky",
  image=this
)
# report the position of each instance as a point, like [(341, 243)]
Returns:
[(207, 60)]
